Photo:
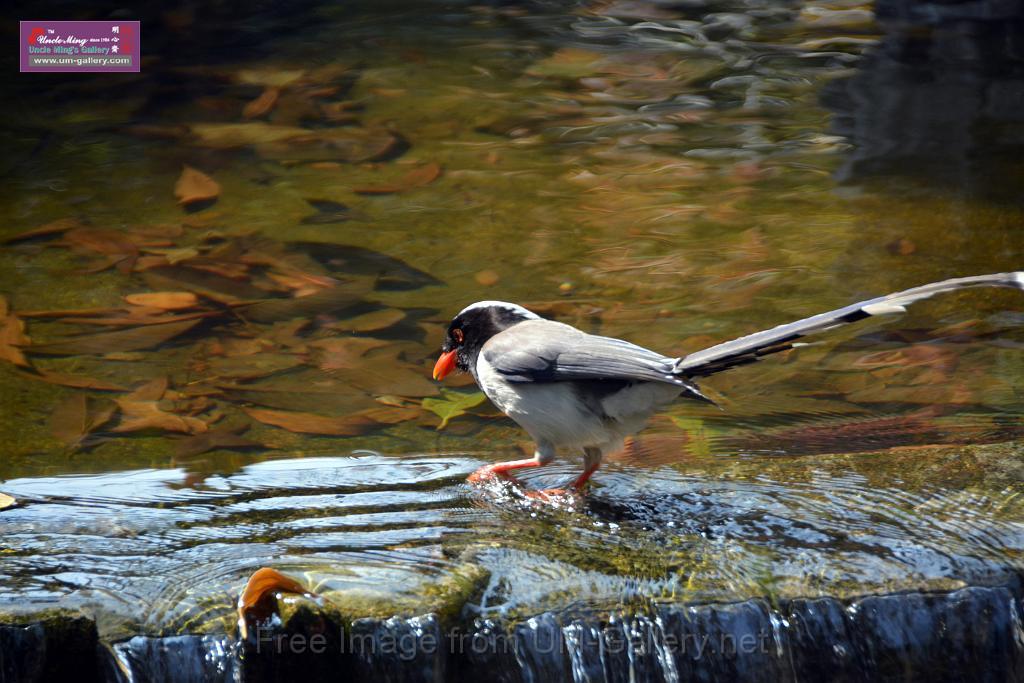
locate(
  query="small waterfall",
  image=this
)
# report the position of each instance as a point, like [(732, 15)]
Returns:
[(973, 633)]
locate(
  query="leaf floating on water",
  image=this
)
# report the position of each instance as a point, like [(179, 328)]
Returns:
[(453, 405), (227, 438), (261, 586), (121, 340), (168, 301), (194, 187), (7, 502), (353, 424), (76, 381), (262, 104), (417, 177), (77, 417)]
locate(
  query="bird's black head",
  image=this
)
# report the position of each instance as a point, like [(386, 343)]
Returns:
[(471, 329)]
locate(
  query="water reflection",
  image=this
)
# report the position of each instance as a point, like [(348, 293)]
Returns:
[(938, 99)]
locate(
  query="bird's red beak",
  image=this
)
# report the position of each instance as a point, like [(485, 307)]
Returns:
[(445, 364)]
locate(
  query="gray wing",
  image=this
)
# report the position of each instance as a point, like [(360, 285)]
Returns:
[(548, 351), (748, 349)]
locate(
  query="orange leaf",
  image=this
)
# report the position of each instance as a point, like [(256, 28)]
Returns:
[(168, 301), (264, 583), (348, 425), (61, 225), (417, 177), (12, 336), (195, 186), (262, 104)]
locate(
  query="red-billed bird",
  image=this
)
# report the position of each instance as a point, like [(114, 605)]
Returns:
[(587, 393)]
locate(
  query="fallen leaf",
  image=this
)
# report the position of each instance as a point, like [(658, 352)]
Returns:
[(347, 425), (12, 336), (194, 186), (76, 381), (114, 243), (262, 104), (153, 390), (51, 229), (388, 272), (325, 301), (7, 502), (142, 415), (417, 177), (77, 417), (215, 439), (255, 599), (487, 278), (251, 366), (203, 281), (370, 322), (342, 353), (342, 143), (229, 135), (168, 301), (131, 339), (453, 404)]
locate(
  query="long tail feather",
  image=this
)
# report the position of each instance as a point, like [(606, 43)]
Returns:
[(753, 346)]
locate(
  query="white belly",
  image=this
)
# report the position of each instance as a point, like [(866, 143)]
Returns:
[(552, 412)]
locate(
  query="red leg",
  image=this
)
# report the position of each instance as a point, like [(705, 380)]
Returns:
[(583, 478), (572, 490), (501, 469)]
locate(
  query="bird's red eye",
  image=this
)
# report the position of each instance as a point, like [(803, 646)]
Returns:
[(457, 335)]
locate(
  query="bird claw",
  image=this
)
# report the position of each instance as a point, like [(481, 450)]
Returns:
[(552, 495), (483, 474)]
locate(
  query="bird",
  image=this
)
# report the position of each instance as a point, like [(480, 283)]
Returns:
[(572, 390)]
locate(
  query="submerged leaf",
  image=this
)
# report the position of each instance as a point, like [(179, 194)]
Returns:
[(215, 439), (325, 301), (131, 339), (353, 424), (195, 186), (453, 404), (12, 336), (51, 229), (371, 322), (76, 381), (168, 301), (262, 104), (76, 417), (417, 177)]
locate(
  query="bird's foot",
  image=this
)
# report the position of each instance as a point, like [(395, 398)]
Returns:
[(490, 473), (553, 495)]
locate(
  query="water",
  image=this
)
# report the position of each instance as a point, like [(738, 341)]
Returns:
[(677, 177)]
